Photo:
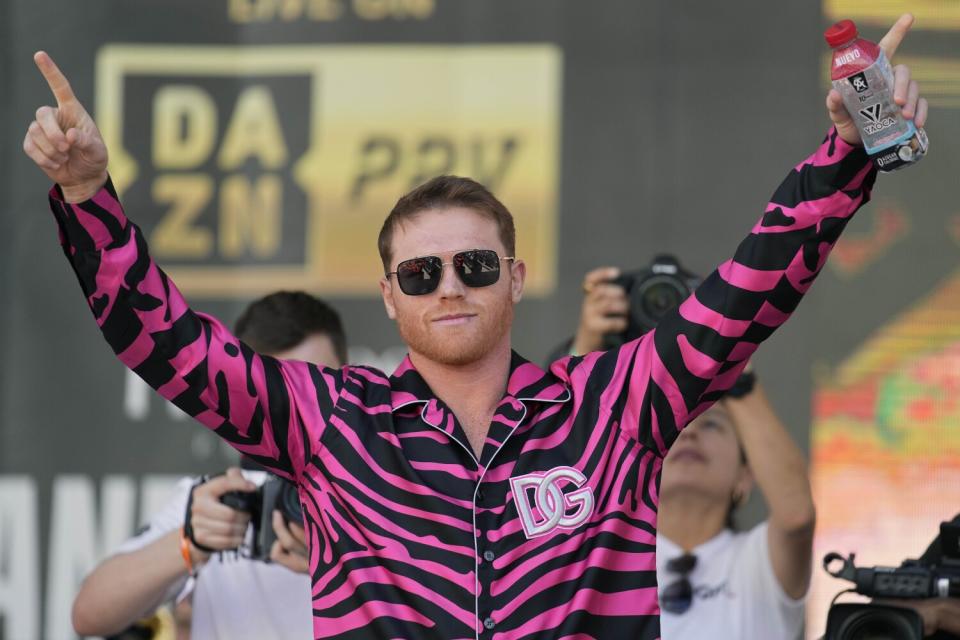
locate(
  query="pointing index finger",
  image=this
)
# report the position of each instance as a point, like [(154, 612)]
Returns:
[(891, 42), (55, 79)]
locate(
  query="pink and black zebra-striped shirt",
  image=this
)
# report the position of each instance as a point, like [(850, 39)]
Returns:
[(551, 532)]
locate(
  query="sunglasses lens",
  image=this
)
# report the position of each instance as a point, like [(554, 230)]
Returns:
[(477, 268), (682, 564), (419, 276), (677, 597)]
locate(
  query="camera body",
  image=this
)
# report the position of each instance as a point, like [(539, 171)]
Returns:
[(910, 580), (274, 494), (652, 291)]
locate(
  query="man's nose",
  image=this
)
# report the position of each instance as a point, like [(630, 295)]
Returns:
[(451, 286)]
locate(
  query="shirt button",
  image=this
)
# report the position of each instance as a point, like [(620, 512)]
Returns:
[(489, 623), (480, 495), (489, 555)]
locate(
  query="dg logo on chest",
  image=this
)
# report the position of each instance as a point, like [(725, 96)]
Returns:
[(554, 499)]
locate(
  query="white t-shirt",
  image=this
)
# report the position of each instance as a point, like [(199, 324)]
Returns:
[(736, 594), (238, 598)]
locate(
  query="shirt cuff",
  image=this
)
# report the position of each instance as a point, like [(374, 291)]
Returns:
[(851, 167), (91, 225)]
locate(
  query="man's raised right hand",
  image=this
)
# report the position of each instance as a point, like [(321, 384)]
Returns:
[(64, 140)]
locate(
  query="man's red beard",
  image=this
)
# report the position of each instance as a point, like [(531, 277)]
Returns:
[(456, 345)]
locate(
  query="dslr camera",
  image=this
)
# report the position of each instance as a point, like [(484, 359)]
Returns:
[(652, 291), (274, 494), (913, 579)]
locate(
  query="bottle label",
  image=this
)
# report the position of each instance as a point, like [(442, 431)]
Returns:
[(903, 152), (868, 96)]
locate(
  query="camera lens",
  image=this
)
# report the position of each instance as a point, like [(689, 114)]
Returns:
[(876, 625), (289, 503), (655, 297)]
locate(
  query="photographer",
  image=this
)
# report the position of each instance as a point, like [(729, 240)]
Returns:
[(716, 582), (237, 597)]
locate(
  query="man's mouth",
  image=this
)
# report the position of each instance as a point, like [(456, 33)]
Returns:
[(454, 318)]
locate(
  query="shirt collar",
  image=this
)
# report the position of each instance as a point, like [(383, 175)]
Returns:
[(667, 549)]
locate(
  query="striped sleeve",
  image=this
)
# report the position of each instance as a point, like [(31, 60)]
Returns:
[(259, 405), (663, 380)]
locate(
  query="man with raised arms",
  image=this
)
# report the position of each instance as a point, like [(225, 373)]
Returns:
[(470, 493)]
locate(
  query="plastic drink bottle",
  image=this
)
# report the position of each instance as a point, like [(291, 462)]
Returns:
[(862, 74)]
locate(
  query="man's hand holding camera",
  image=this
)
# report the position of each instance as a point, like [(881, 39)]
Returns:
[(290, 547), (219, 527), (215, 525), (605, 309)]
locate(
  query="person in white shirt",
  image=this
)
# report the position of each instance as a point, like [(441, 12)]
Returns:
[(233, 597), (714, 581)]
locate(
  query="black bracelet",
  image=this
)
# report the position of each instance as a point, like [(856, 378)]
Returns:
[(187, 520), (744, 385)]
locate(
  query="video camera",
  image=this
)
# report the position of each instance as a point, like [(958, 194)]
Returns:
[(913, 579), (274, 494), (652, 291)]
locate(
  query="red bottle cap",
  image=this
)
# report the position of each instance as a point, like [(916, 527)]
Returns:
[(841, 33)]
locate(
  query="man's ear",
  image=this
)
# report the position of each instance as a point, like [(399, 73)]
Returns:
[(518, 275), (386, 292)]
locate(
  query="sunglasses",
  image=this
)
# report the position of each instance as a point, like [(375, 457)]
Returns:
[(476, 268), (677, 596)]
